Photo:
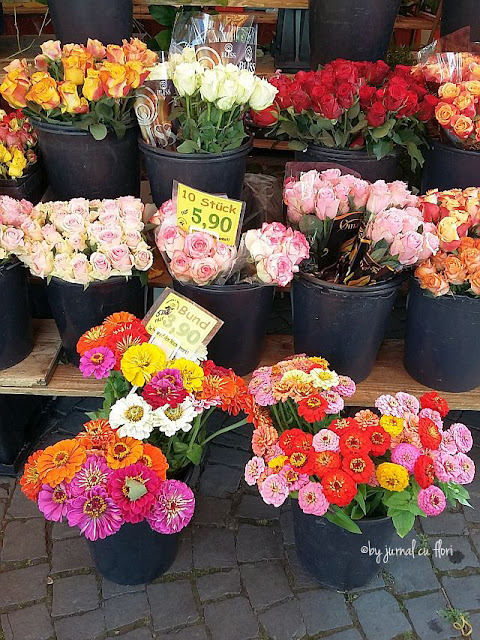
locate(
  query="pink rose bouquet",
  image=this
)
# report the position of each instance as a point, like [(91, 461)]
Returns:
[(14, 220)]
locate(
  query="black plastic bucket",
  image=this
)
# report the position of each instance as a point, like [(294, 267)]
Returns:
[(16, 331), (344, 324), (76, 309), (244, 308), (29, 187), (79, 166), (447, 167), (366, 165), (457, 14), (350, 29), (106, 20), (135, 554), (442, 349), (336, 558), (209, 172)]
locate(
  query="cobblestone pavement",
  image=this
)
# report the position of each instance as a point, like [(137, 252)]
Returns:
[(236, 576)]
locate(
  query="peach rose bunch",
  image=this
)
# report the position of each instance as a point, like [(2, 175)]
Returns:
[(14, 220), (448, 66), (90, 85), (458, 112), (17, 144)]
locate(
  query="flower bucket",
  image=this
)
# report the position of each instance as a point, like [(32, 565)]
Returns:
[(79, 166), (16, 324), (29, 187), (366, 165), (244, 308), (333, 556), (106, 20), (457, 14), (344, 324), (447, 167), (136, 554), (76, 309), (221, 173), (350, 29), (442, 350)]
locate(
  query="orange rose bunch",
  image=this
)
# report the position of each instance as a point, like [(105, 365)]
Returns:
[(89, 86), (458, 112)]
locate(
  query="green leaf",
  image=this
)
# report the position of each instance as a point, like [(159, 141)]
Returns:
[(119, 128), (403, 522), (136, 489), (194, 454), (415, 153), (354, 111), (338, 517), (189, 146), (163, 14), (359, 498), (92, 415), (381, 132), (180, 447), (98, 131), (297, 145), (163, 39), (104, 110)]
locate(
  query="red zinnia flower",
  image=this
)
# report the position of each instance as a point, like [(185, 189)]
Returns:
[(313, 408), (339, 487), (134, 489), (124, 336), (287, 440), (302, 442), (433, 400), (354, 441), (429, 433), (322, 461), (340, 425), (424, 471), (380, 440), (358, 466)]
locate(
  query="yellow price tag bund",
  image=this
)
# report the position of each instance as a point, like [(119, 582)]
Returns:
[(200, 211)]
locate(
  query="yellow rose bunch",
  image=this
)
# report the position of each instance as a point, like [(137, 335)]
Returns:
[(17, 140)]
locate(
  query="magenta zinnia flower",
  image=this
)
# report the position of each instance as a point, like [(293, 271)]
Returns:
[(52, 502), (93, 473), (166, 387), (173, 508), (95, 513), (406, 455), (134, 489), (97, 362)]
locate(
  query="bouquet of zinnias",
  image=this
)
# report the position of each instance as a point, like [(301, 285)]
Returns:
[(17, 144), (399, 462), (99, 480), (165, 402), (81, 241), (15, 219)]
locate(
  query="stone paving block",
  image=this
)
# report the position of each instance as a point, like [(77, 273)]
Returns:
[(164, 601), (125, 609), (475, 535), (461, 557), (211, 510), (446, 523), (380, 616), (213, 548), (411, 574), (218, 585), (284, 622), (71, 554), (31, 623), (220, 481), (190, 633), (183, 560), (89, 625), (89, 404), (23, 585), (473, 515), (64, 405), (232, 619), (75, 594), (24, 540), (72, 423), (286, 522), (426, 622), (464, 592), (348, 634), (259, 543), (226, 455), (61, 531), (266, 584), (22, 507), (254, 508), (110, 589), (3, 508), (234, 441), (323, 610), (6, 487), (301, 578)]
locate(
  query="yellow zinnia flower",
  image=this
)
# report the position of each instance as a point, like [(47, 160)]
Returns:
[(141, 362), (192, 374), (277, 463), (392, 476), (393, 426)]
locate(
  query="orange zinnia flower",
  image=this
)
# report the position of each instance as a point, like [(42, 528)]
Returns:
[(61, 461), (123, 452), (153, 458), (98, 434), (256, 414), (31, 482), (95, 337), (262, 438), (115, 319)]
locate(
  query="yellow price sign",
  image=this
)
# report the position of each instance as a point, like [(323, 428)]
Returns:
[(200, 211), (176, 323)]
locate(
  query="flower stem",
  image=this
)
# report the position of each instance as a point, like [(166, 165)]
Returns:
[(230, 427)]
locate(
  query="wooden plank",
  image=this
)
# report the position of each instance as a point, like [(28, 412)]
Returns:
[(37, 369), (274, 145)]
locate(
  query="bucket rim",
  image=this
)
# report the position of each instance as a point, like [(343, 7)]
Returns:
[(112, 279), (432, 143), (225, 288), (359, 154), (69, 129), (391, 284), (147, 149)]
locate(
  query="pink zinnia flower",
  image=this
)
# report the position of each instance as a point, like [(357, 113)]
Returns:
[(433, 415), (95, 513), (462, 437), (467, 469), (52, 502), (94, 472), (311, 499), (253, 470), (373, 480), (274, 490), (173, 508), (448, 444), (389, 406), (97, 362), (326, 440), (409, 403), (432, 500), (406, 455), (134, 489), (293, 478), (446, 466), (272, 452), (335, 402), (346, 387), (166, 387)]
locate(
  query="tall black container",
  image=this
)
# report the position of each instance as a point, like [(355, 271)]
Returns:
[(76, 309), (344, 324), (16, 332), (222, 173), (106, 20), (447, 167), (78, 166), (135, 554), (244, 308), (30, 186), (350, 29), (292, 47), (457, 14), (442, 349)]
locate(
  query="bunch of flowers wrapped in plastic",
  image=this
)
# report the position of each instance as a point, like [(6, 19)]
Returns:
[(165, 402), (458, 113), (89, 86), (99, 480), (455, 269), (17, 144), (85, 240), (448, 66), (270, 255), (14, 220), (398, 461), (359, 233)]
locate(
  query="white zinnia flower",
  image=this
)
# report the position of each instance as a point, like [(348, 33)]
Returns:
[(324, 378), (169, 420), (132, 417)]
